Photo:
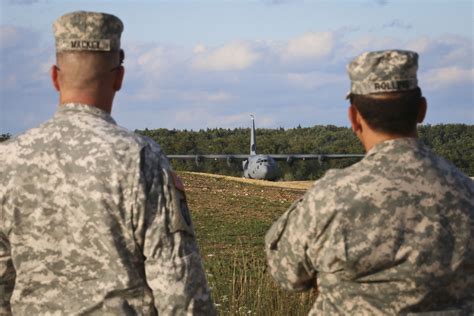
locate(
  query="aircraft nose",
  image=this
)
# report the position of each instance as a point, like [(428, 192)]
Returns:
[(270, 171)]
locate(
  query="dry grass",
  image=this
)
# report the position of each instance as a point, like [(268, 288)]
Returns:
[(231, 218)]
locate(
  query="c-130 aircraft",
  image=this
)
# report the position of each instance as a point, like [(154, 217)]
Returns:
[(263, 166)]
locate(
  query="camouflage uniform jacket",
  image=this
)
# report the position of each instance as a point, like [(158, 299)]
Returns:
[(93, 221), (390, 235)]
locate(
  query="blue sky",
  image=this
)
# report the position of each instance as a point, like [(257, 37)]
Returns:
[(200, 64)]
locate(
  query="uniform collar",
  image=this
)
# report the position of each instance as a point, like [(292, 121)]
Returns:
[(86, 109), (401, 144)]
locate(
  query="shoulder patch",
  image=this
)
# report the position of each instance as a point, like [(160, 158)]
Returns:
[(180, 217), (178, 183)]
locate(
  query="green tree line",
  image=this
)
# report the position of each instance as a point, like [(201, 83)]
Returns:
[(454, 142), (4, 137)]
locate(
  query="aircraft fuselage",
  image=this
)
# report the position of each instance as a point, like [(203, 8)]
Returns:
[(261, 167)]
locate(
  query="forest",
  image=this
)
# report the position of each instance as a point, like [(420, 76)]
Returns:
[(454, 142)]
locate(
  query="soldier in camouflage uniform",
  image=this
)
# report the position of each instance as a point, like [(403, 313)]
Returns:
[(392, 234), (92, 218)]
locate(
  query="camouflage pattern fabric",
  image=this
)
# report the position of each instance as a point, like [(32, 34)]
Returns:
[(390, 235), (383, 71), (87, 31), (94, 222)]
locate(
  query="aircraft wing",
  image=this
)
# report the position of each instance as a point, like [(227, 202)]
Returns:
[(211, 156), (287, 157), (319, 157)]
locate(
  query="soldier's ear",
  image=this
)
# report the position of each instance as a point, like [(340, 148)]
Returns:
[(120, 73), (422, 110), (355, 119), (54, 77)]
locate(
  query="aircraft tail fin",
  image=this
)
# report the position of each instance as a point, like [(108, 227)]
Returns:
[(253, 143)]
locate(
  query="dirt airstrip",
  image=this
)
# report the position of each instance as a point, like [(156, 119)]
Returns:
[(295, 185)]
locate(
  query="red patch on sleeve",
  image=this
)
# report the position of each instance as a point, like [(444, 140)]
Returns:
[(178, 183)]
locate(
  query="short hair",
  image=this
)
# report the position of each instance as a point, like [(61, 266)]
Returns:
[(81, 69), (394, 113)]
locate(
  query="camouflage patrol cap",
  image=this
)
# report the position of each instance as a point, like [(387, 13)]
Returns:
[(383, 71), (87, 31)]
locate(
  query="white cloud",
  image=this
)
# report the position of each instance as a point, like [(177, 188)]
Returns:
[(206, 97), (9, 36), (278, 1), (9, 82), (23, 60), (445, 51), (200, 48), (208, 117), (315, 80), (165, 85), (147, 94), (371, 43), (315, 45), (398, 24), (233, 56), (23, 2), (420, 45), (456, 50), (448, 76), (153, 61)]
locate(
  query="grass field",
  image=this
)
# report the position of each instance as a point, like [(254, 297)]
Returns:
[(231, 219)]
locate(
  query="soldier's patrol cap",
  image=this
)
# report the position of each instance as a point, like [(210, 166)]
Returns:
[(87, 31), (383, 71)]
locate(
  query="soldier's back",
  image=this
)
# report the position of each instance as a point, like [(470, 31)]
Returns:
[(68, 208), (397, 232)]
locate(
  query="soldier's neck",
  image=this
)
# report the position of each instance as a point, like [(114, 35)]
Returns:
[(369, 138), (102, 102)]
